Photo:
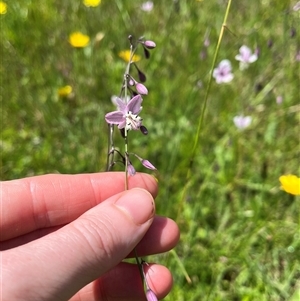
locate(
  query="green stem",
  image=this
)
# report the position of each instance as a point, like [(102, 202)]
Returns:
[(203, 110)]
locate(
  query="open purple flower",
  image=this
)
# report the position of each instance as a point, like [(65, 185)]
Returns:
[(222, 73), (245, 57), (127, 114)]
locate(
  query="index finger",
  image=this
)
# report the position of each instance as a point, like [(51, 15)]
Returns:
[(50, 200)]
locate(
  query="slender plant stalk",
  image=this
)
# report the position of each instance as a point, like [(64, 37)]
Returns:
[(203, 110), (110, 157), (110, 147)]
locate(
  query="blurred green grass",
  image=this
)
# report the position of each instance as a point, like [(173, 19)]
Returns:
[(240, 233)]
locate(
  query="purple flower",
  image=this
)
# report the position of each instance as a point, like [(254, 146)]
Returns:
[(150, 295), (242, 122), (222, 73), (147, 6), (245, 57), (127, 114)]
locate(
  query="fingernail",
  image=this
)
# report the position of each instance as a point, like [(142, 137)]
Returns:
[(138, 204)]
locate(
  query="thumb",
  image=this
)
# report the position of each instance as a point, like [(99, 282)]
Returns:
[(58, 265)]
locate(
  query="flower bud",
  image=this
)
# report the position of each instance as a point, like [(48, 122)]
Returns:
[(131, 170), (150, 295), (149, 44), (142, 76), (141, 89), (144, 130), (146, 52), (148, 164)]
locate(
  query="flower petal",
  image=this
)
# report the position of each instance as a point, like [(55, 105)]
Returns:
[(115, 117), (252, 58), (121, 105), (134, 105), (227, 78), (245, 52), (225, 65)]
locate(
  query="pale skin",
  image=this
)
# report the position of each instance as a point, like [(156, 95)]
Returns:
[(63, 237)]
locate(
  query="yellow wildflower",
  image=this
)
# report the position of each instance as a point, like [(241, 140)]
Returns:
[(78, 40), (290, 184), (64, 91), (91, 3), (3, 8), (125, 55)]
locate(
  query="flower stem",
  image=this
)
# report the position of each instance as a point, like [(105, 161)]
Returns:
[(110, 148), (203, 110)]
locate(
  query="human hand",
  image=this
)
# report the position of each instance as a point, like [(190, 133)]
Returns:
[(64, 236)]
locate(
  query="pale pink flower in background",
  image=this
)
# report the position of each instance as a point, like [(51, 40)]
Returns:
[(242, 122), (206, 42), (147, 6), (279, 99), (296, 7), (246, 57), (297, 56), (222, 73)]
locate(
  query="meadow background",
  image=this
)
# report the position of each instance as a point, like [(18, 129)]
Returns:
[(240, 236)]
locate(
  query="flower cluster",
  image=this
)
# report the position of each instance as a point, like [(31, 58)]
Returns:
[(126, 117), (129, 104), (223, 74)]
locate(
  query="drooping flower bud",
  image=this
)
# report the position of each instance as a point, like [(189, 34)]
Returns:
[(131, 169), (144, 130), (142, 76), (148, 164), (149, 44), (141, 89), (146, 53)]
